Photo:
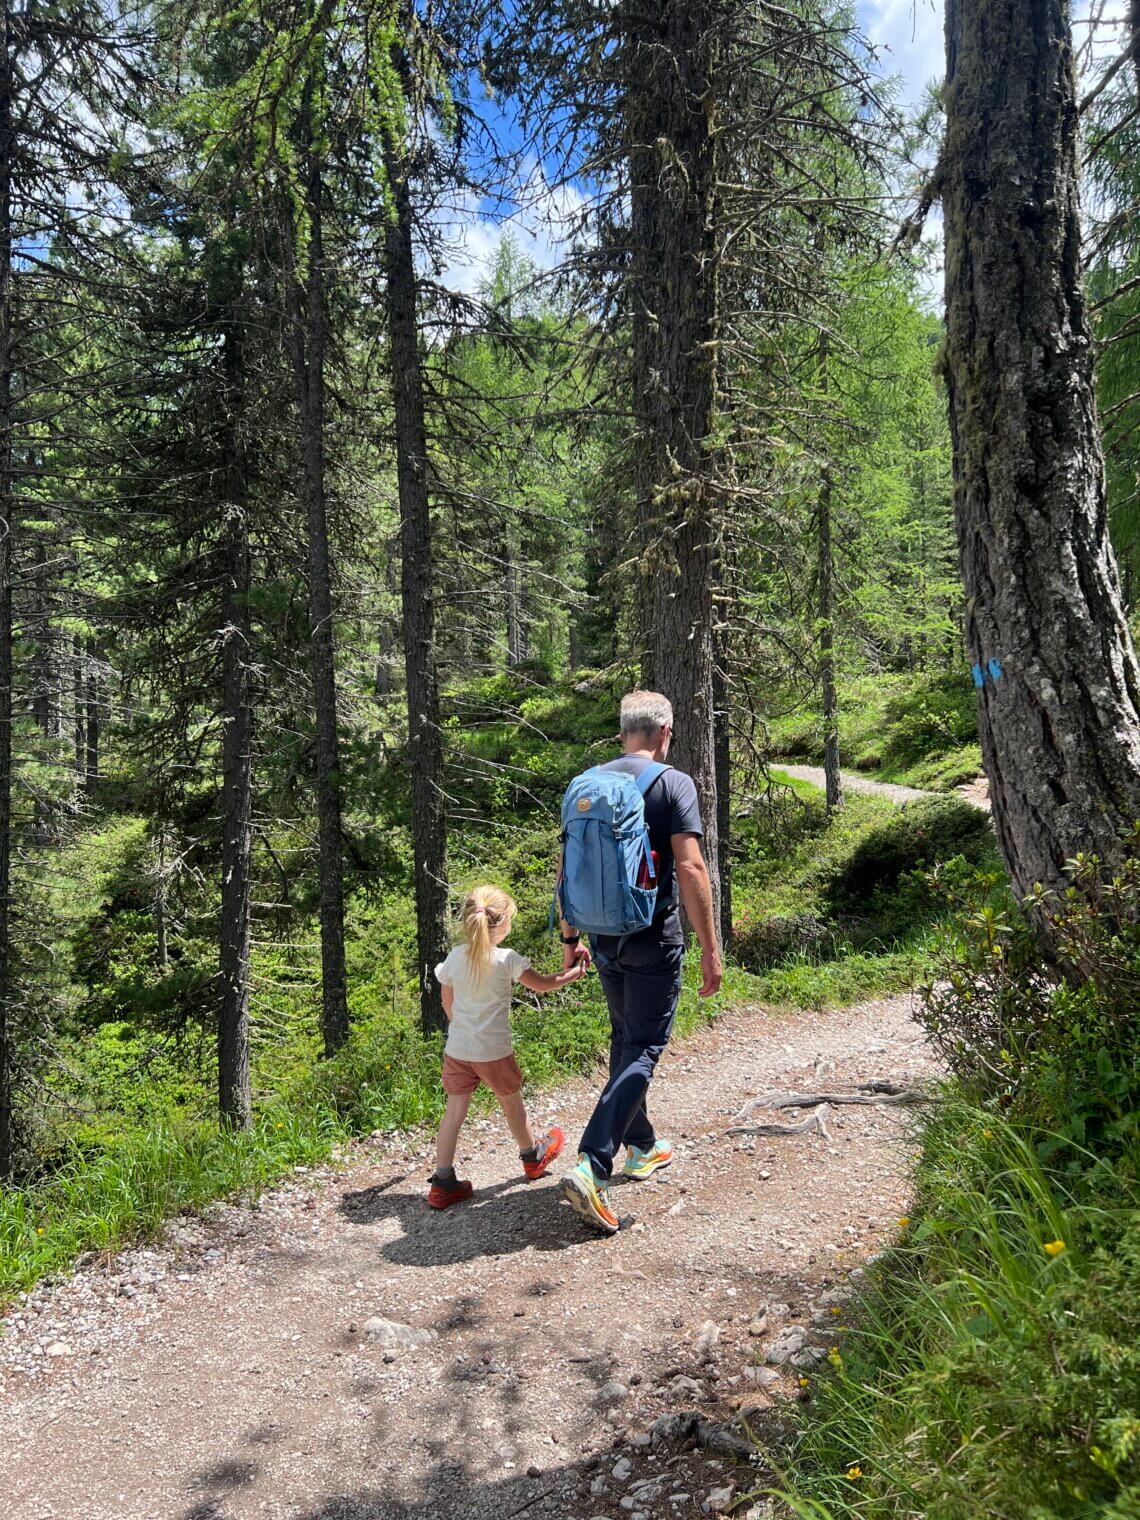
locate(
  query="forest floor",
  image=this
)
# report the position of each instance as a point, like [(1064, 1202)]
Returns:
[(232, 1371), (976, 792)]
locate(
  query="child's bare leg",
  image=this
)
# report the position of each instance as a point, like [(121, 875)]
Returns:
[(449, 1127), (515, 1110)]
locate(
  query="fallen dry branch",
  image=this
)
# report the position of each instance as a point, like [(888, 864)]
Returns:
[(815, 1123)]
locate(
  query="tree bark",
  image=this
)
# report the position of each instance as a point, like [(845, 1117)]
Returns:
[(7, 525), (79, 711), (673, 56), (722, 739), (310, 329), (512, 598), (91, 736), (234, 1100), (425, 735), (833, 789), (1058, 686)]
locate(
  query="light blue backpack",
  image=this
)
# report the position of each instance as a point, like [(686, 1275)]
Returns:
[(604, 844)]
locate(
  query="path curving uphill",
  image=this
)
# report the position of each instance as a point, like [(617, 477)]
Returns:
[(975, 792)]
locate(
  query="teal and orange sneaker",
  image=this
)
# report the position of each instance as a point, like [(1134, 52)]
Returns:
[(589, 1197), (642, 1164)]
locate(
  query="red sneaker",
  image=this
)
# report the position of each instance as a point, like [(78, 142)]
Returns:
[(441, 1197), (549, 1148)]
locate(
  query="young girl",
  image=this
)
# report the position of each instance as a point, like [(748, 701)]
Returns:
[(476, 980)]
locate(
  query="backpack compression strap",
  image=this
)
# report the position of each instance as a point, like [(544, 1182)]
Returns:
[(649, 775)]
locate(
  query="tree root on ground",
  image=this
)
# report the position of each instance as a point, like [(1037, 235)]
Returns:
[(815, 1123), (871, 1093)]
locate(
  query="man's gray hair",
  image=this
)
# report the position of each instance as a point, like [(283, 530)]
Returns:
[(644, 712)]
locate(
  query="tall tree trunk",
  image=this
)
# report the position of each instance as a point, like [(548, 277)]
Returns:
[(91, 737), (161, 897), (425, 736), (676, 66), (1058, 686), (833, 788), (722, 740), (511, 596), (644, 296), (825, 566), (234, 1100), (310, 343), (79, 710), (7, 526)]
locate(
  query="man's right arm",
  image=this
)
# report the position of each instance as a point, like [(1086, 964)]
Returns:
[(696, 894), (579, 950)]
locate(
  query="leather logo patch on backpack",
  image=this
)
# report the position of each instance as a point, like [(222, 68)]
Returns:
[(583, 804)]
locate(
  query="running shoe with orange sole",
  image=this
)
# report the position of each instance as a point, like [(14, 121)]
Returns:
[(589, 1197), (641, 1164), (549, 1147)]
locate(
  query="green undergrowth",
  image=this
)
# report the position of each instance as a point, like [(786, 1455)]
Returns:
[(828, 911), (832, 908), (989, 1364), (918, 729), (992, 1366)]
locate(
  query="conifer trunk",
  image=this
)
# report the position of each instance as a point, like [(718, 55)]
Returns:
[(672, 51), (234, 1099), (7, 525), (91, 735), (310, 343), (833, 788), (1058, 686), (425, 736)]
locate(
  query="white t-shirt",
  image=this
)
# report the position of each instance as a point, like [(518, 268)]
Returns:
[(481, 1013)]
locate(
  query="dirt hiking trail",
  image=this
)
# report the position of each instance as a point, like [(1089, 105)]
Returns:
[(233, 1371), (975, 792)]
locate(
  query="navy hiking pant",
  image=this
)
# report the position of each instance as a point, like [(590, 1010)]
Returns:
[(642, 983)]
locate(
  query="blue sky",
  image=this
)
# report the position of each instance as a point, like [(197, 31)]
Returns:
[(910, 34)]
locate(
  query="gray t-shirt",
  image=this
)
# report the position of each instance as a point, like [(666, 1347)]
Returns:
[(671, 807)]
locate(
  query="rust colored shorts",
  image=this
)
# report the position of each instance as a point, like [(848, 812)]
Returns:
[(503, 1076)]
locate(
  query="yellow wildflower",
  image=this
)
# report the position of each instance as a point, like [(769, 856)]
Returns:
[(834, 1357), (854, 1471), (1054, 1247), (803, 1382), (835, 1308), (987, 1134), (904, 1221)]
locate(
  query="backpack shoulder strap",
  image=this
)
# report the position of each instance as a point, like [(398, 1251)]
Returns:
[(649, 775)]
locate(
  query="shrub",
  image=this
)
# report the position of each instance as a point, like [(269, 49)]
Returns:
[(920, 835), (1062, 1039), (760, 943)]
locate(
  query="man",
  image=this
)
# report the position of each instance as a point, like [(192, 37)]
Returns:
[(641, 973)]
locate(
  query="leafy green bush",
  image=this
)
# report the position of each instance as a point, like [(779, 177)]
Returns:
[(919, 836), (760, 943), (1064, 1047)]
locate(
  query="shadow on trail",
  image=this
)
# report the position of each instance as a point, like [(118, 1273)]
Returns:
[(499, 1220)]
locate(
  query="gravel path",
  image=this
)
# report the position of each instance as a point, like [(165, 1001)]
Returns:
[(975, 792), (232, 1372)]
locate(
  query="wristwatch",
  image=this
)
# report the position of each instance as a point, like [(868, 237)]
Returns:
[(572, 939)]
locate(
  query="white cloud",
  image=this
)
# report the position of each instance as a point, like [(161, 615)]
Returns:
[(543, 218)]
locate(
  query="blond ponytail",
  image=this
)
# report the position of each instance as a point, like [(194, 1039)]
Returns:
[(484, 910)]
